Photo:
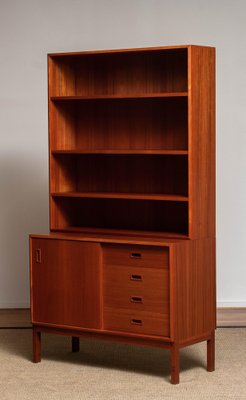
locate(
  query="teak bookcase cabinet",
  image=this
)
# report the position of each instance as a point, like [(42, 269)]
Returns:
[(131, 252)]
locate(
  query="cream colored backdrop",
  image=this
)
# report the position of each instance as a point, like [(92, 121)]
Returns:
[(29, 29)]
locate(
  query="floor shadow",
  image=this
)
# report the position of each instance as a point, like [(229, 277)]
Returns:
[(93, 353)]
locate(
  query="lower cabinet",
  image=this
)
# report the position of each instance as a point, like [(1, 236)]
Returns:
[(86, 285), (161, 295)]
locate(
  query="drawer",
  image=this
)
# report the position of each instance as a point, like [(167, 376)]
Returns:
[(139, 289), (145, 323), (134, 255)]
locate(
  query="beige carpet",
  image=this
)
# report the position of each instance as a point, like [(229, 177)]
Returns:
[(115, 372)]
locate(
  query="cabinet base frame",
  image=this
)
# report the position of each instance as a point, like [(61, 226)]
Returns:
[(174, 346)]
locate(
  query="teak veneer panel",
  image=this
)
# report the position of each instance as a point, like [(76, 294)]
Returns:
[(149, 293), (141, 322), (64, 290), (108, 236), (118, 195), (201, 107), (123, 151), (135, 256), (118, 96), (195, 288)]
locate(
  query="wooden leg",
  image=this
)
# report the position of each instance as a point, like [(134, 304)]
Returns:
[(211, 353), (75, 343), (174, 364), (36, 336)]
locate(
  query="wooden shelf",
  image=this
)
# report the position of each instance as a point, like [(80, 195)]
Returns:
[(127, 196), (121, 235), (120, 96), (122, 151)]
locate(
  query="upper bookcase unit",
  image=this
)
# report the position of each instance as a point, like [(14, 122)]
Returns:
[(132, 143)]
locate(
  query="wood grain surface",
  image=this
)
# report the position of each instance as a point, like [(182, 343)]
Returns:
[(64, 290)]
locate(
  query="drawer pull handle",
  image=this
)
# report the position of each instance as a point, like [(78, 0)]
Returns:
[(38, 256), (136, 322), (136, 255), (136, 277), (136, 299)]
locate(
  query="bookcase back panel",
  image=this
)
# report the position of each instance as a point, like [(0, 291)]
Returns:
[(120, 173), (158, 216), (119, 73), (120, 124)]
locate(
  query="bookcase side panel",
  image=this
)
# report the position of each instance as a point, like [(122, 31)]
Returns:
[(201, 106)]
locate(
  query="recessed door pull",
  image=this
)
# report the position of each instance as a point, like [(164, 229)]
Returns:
[(135, 277), (136, 322), (136, 299), (136, 255), (38, 256)]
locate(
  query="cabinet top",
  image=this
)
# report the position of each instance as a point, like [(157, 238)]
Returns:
[(129, 50), (119, 239)]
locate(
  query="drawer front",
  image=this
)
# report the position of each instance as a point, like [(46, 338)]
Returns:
[(146, 323), (136, 256), (135, 288)]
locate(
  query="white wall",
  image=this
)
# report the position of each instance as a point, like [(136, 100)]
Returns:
[(29, 29)]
